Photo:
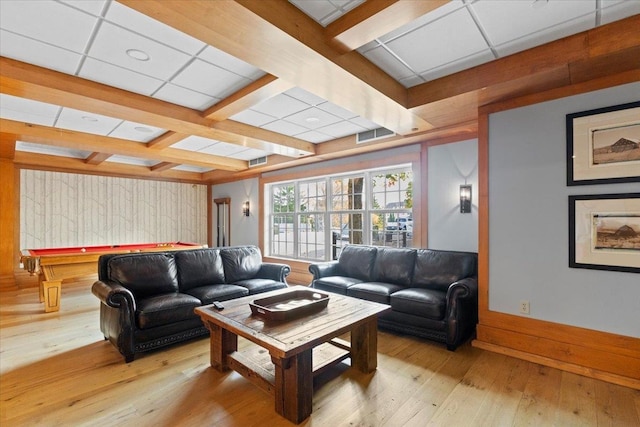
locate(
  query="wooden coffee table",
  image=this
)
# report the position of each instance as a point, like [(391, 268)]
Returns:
[(296, 349)]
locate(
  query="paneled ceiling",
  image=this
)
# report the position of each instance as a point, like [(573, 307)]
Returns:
[(194, 90)]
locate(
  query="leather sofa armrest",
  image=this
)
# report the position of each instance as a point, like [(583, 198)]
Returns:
[(113, 294), (274, 271), (465, 288), (462, 310), (324, 269)]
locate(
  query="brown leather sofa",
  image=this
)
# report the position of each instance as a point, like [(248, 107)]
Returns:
[(433, 293), (148, 299)]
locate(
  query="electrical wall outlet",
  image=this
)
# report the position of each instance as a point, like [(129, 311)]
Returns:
[(524, 307)]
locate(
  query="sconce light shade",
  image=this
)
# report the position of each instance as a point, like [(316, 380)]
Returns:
[(245, 208), (465, 198)]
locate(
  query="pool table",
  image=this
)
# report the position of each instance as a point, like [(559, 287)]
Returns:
[(53, 265)]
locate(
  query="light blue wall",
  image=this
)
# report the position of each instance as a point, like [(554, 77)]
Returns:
[(244, 230), (528, 221), (449, 166)]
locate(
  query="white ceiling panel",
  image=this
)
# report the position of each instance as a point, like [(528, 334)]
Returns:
[(545, 36), (411, 81), (304, 96), (194, 143), (250, 154), (35, 52), (338, 130), (312, 118), (284, 127), (209, 79), (337, 110), (185, 97), (94, 7), (119, 77), (389, 63), (190, 168), (52, 22), (314, 136), (222, 149), (458, 65), (443, 41), (280, 106), (112, 43), (51, 150), (365, 123), (131, 160), (504, 21), (152, 29), (614, 10), (325, 12), (224, 60), (253, 118), (28, 111), (86, 122), (136, 132), (432, 16)]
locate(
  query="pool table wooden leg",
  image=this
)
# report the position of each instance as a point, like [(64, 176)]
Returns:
[(51, 292), (41, 279)]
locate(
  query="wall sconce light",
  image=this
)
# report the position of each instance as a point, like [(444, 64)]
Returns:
[(245, 208), (465, 198)]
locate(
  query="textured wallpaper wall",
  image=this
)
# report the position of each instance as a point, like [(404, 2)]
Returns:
[(60, 209)]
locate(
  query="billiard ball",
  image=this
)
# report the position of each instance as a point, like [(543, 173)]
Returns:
[(83, 250)]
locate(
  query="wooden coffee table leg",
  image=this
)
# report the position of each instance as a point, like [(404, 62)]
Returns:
[(364, 346), (294, 386), (222, 344)]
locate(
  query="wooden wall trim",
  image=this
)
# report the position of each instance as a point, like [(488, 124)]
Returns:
[(596, 354), (622, 380)]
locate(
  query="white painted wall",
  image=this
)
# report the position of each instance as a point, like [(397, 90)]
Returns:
[(244, 230), (528, 208), (449, 166)]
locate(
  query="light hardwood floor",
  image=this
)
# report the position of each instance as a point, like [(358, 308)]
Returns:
[(56, 369)]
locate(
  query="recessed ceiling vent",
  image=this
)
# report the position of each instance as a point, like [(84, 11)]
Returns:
[(257, 162), (372, 135)]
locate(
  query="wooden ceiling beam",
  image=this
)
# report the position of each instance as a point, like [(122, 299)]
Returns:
[(614, 40), (254, 31), (96, 158), (163, 166), (84, 141), (72, 165), (41, 84), (373, 19), (262, 89), (7, 145), (165, 140)]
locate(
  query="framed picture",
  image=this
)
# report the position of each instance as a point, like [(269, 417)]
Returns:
[(604, 232), (603, 145)]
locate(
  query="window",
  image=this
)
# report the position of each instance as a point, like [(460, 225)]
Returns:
[(315, 218)]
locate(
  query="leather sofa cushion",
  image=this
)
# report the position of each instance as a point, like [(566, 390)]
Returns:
[(336, 284), (145, 274), (438, 269), (420, 302), (373, 291), (241, 263), (210, 293), (395, 265), (358, 261), (199, 267), (256, 286), (163, 309)]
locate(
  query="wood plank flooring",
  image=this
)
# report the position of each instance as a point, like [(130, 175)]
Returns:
[(56, 370)]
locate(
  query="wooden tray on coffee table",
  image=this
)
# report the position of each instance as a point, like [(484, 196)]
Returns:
[(289, 305)]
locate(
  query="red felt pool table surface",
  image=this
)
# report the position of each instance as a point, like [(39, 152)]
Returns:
[(110, 248), (53, 265)]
